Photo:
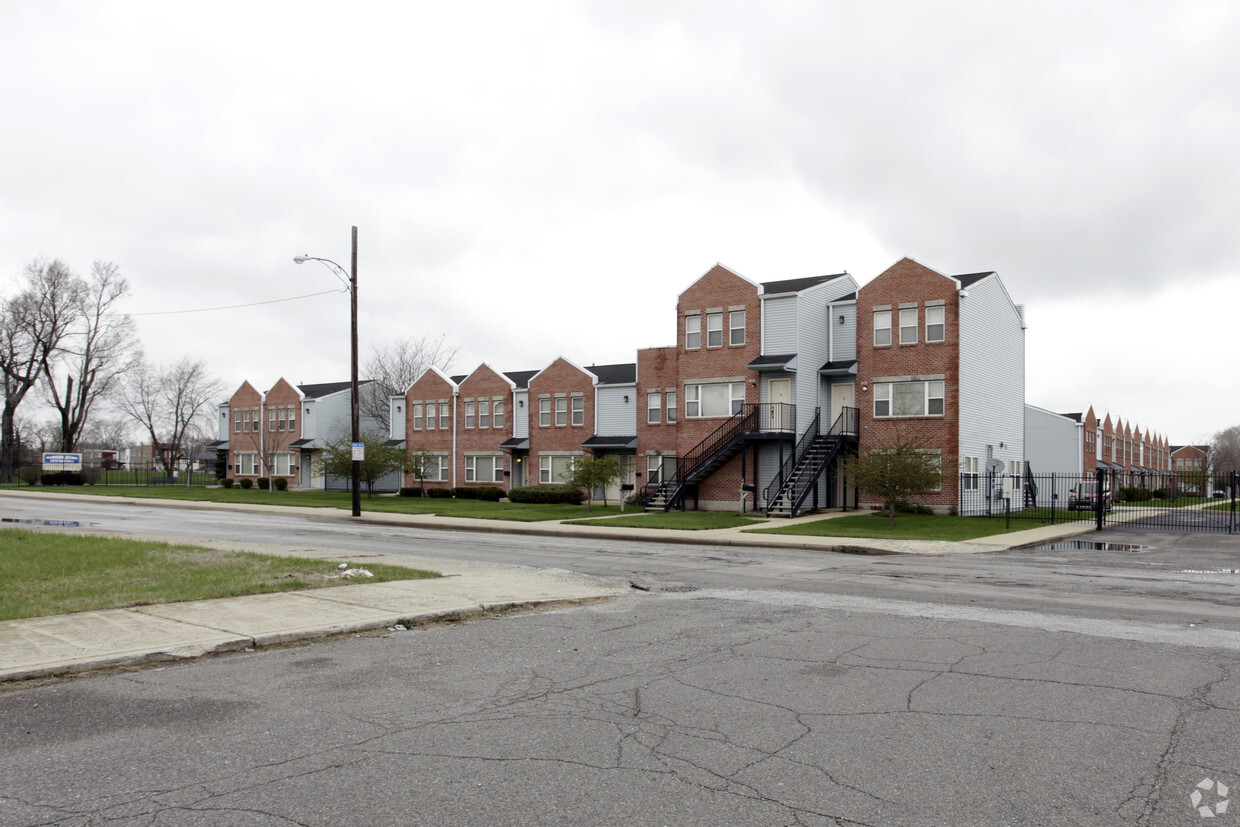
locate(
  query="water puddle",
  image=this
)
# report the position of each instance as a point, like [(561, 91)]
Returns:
[(1089, 545)]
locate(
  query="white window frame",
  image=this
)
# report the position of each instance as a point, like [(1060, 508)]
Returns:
[(445, 416), (693, 399), (417, 416), (561, 412), (693, 331), (578, 410), (908, 325), (654, 407), (714, 329), (885, 397), (484, 413), (671, 407), (936, 323), (882, 328), (292, 418), (736, 327), (497, 410), (547, 467), (493, 463), (544, 412), (282, 464), (469, 413), (245, 463)]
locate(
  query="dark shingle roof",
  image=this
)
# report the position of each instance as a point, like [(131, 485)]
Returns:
[(521, 378), (972, 278), (326, 388), (459, 378), (796, 285), (1076, 416), (615, 374)]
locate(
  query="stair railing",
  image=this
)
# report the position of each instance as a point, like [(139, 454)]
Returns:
[(790, 462)]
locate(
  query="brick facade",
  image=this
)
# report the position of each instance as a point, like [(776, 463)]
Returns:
[(561, 418), (910, 286), (432, 394), (479, 432), (263, 428)]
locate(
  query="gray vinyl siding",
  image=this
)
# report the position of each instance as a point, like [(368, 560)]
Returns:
[(768, 467), (813, 331), (309, 418), (779, 325), (992, 375), (225, 431), (521, 414), (843, 336), (612, 415), (396, 417), (1053, 446)]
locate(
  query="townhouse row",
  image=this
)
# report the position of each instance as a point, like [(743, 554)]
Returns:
[(767, 387)]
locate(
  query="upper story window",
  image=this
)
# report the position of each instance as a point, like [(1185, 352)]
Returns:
[(908, 325), (237, 417), (714, 400), (271, 419), (693, 332), (292, 417), (736, 327), (417, 416), (896, 399), (544, 412), (579, 409), (484, 413), (498, 408), (445, 416), (936, 323), (671, 406), (882, 328), (654, 407), (469, 414), (714, 330), (561, 410)]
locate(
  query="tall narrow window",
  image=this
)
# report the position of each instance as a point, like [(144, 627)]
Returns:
[(671, 407), (445, 416), (237, 417), (908, 326), (654, 405), (936, 325), (693, 332), (271, 419), (579, 410), (544, 412), (282, 420), (736, 327), (417, 416), (484, 413), (714, 330), (469, 414), (499, 413), (292, 418), (561, 410), (882, 328)]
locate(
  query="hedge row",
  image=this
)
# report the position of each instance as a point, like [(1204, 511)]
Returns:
[(547, 495)]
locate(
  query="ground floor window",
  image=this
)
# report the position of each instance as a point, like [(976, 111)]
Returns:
[(554, 469), (660, 468), (245, 463), (484, 469), (969, 473), (283, 464)]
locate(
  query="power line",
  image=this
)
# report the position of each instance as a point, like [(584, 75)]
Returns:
[(236, 306)]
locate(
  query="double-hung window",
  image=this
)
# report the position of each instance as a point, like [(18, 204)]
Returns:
[(908, 325), (417, 416), (445, 416), (282, 419), (469, 414), (579, 409), (484, 469), (498, 408), (897, 399), (714, 330), (282, 464), (969, 473), (936, 323), (237, 416), (693, 332), (484, 413), (654, 405), (292, 418), (718, 399), (561, 410), (271, 419), (554, 469), (544, 412), (736, 327), (882, 328), (245, 463), (671, 407)]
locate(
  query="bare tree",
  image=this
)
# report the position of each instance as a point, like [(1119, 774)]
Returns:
[(97, 348), (1225, 450), (105, 432), (32, 325), (397, 366), (166, 402)]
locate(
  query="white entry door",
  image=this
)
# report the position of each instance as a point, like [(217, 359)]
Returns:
[(779, 395), (842, 396)]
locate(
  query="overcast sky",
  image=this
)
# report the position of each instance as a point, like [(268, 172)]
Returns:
[(543, 178)]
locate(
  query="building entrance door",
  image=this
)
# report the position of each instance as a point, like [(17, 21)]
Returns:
[(779, 397)]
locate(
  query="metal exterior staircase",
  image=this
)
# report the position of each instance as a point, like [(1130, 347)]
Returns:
[(710, 454), (813, 455)]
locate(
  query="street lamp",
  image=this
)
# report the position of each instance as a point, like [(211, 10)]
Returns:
[(350, 280)]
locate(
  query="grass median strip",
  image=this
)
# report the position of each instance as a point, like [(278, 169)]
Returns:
[(907, 527), (674, 520), (46, 573)]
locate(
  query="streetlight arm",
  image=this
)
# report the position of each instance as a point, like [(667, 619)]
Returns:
[(339, 271)]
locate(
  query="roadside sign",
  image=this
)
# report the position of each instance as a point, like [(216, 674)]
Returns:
[(62, 462), (359, 451)]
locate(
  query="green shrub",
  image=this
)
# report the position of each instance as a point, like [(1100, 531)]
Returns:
[(439, 493), (264, 483), (247, 483), (1161, 494), (1136, 495), (410, 492), (228, 482), (638, 498), (62, 478), (912, 508), (280, 483), (547, 495), (29, 474)]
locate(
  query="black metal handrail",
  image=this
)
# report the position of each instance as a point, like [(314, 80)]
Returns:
[(847, 423), (778, 417), (743, 421), (790, 463)]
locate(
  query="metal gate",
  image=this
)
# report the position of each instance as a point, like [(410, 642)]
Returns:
[(1167, 502)]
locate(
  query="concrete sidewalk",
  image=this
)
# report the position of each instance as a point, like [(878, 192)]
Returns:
[(64, 644)]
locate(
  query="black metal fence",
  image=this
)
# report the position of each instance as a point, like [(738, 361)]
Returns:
[(31, 474), (1108, 498)]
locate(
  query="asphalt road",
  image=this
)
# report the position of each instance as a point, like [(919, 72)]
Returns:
[(749, 686)]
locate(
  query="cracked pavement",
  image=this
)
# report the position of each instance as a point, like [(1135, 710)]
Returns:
[(718, 706)]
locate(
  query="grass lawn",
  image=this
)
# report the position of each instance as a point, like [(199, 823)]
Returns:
[(678, 520), (907, 527), (1174, 502), (479, 509), (46, 573)]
